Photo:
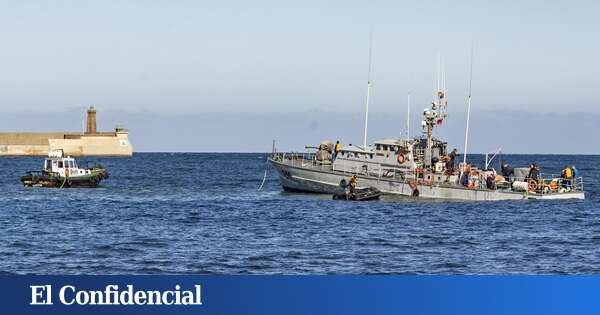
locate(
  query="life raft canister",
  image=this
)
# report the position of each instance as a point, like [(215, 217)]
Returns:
[(401, 158)]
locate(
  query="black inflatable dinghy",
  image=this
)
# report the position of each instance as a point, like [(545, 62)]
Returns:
[(359, 194)]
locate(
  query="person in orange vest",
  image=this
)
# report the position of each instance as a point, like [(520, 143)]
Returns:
[(337, 149), (353, 183), (567, 177)]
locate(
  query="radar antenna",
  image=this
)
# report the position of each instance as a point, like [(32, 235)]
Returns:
[(435, 115)]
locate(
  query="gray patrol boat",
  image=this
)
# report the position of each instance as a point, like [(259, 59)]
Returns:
[(418, 166)]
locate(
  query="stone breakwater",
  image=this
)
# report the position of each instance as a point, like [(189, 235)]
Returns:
[(88, 143)]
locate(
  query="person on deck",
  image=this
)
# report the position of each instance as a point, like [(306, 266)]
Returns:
[(352, 184), (336, 150), (450, 162), (575, 171), (506, 170), (567, 177), (490, 181), (464, 179), (534, 172), (575, 176)]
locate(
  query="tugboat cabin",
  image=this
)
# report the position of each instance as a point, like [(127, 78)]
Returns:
[(64, 166)]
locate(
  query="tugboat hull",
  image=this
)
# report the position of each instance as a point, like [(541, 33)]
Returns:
[(91, 180)]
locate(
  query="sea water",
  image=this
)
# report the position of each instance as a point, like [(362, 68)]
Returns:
[(202, 213)]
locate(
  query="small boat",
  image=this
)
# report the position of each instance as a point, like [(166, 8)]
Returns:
[(359, 194), (63, 172)]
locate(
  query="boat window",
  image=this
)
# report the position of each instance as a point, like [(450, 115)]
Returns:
[(378, 147), (48, 165), (60, 164)]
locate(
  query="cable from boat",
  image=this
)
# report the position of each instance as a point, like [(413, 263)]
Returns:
[(63, 183), (265, 176)]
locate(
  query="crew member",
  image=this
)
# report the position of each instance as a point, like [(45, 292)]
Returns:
[(464, 178), (534, 172), (450, 161), (490, 181), (506, 170), (337, 149), (352, 184), (353, 181), (575, 171), (567, 176)]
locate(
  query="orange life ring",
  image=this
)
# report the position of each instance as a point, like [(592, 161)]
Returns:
[(533, 185), (553, 186), (66, 172), (401, 159)]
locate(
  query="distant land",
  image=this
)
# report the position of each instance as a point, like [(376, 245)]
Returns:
[(515, 132), (89, 142)]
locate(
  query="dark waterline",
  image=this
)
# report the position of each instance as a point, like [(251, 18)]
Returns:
[(202, 213)]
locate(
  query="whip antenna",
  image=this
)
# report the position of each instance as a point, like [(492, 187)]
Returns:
[(468, 106), (368, 90), (408, 116)]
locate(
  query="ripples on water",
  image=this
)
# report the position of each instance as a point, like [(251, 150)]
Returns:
[(202, 213)]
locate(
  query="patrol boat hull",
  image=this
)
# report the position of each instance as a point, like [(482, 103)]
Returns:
[(308, 177)]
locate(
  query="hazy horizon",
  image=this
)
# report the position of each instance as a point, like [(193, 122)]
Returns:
[(231, 76), (513, 131)]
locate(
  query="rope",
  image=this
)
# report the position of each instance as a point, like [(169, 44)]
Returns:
[(263, 181), (64, 181), (264, 177)]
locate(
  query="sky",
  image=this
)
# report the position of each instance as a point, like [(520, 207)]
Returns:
[(231, 76)]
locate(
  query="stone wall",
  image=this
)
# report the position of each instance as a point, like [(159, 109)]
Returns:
[(73, 144)]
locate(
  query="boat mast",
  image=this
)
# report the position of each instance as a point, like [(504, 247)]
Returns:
[(468, 107), (435, 115), (368, 91), (408, 117)]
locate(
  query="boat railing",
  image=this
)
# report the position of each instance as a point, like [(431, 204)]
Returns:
[(299, 159), (372, 169), (552, 184)]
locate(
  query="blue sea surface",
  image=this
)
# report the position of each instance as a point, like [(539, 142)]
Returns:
[(202, 213)]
